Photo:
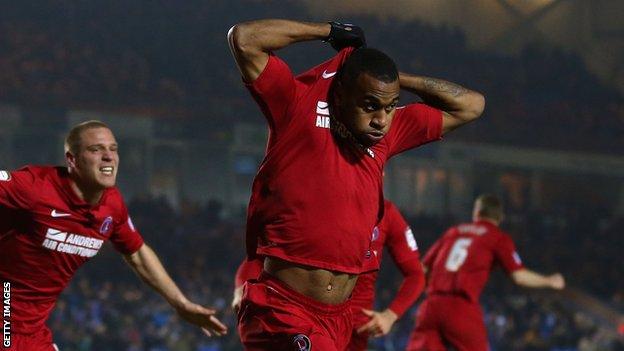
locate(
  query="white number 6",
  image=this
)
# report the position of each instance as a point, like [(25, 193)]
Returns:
[(458, 254)]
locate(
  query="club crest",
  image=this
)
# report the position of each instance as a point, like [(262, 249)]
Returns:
[(302, 343), (106, 225)]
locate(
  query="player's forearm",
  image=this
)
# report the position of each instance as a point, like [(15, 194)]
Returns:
[(530, 279), (460, 103), (410, 289), (273, 34), (146, 264)]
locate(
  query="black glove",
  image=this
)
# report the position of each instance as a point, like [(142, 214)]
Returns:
[(343, 35)]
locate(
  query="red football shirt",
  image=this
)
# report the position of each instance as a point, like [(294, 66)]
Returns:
[(317, 197), (47, 233), (394, 233), (461, 260)]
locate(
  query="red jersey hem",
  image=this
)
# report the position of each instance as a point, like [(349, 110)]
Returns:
[(308, 262), (308, 302)]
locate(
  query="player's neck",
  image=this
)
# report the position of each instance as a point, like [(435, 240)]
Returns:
[(90, 196), (485, 219)]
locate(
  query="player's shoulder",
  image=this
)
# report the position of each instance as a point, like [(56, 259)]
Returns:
[(389, 206), (501, 235), (37, 173), (114, 196), (113, 199), (496, 236), (392, 216), (38, 170), (449, 234)]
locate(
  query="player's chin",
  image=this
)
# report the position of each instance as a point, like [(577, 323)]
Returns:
[(369, 140), (106, 181)]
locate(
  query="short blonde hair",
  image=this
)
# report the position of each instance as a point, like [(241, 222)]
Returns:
[(489, 206), (74, 137)]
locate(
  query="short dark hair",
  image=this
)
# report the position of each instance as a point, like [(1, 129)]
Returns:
[(74, 137), (490, 206), (370, 61)]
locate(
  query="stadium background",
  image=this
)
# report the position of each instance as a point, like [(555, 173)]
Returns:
[(159, 72)]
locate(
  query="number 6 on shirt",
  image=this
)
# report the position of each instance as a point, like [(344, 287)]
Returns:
[(458, 254)]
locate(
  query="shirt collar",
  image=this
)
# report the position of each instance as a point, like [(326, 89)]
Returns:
[(64, 182), (339, 129)]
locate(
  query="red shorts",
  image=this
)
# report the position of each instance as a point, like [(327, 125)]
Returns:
[(448, 320), (39, 341), (358, 342), (275, 317)]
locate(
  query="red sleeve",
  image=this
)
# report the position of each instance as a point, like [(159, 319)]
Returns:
[(248, 269), (274, 91), (506, 254), (414, 125), (17, 189), (125, 238), (400, 239), (404, 251), (411, 287)]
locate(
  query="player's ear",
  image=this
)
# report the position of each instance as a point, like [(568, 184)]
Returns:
[(70, 159)]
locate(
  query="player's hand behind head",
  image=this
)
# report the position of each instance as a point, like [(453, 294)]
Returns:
[(202, 317), (343, 35), (557, 281)]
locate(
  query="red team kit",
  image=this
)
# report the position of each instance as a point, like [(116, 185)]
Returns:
[(295, 191), (459, 265), (47, 234), (394, 233)]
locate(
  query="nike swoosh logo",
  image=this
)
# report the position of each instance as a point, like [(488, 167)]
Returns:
[(328, 75), (59, 214)]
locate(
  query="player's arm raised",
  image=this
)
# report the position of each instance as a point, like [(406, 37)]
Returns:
[(252, 41), (149, 268), (459, 105)]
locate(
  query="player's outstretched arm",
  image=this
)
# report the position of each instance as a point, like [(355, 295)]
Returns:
[(149, 268), (252, 41), (530, 279), (460, 105)]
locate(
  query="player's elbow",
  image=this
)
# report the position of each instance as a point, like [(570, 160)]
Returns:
[(240, 38), (470, 108), (475, 106), (519, 277)]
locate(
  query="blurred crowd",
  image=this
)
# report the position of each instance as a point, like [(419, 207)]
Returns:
[(107, 308), (161, 54)]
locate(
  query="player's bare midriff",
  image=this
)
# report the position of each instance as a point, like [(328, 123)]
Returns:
[(319, 284)]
